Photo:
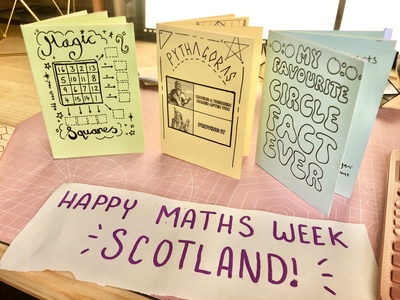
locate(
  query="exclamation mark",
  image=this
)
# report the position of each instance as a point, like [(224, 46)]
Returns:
[(294, 282)]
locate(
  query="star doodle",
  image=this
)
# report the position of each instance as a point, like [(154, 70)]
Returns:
[(235, 48), (47, 66)]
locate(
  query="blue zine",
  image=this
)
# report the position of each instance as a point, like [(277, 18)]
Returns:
[(321, 94)]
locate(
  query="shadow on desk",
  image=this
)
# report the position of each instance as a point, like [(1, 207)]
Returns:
[(9, 293)]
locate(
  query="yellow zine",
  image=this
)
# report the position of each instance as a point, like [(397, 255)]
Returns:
[(208, 82)]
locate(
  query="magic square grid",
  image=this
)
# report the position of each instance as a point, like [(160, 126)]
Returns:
[(78, 82)]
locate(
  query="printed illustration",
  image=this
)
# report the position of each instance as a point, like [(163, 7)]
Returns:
[(178, 97), (209, 108), (86, 77)]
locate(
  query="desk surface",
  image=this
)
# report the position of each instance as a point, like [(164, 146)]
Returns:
[(19, 101)]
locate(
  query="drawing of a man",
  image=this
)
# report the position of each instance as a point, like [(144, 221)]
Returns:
[(177, 96)]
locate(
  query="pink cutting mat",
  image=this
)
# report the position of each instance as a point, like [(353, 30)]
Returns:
[(29, 175)]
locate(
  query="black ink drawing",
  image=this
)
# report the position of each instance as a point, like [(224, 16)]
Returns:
[(88, 86)]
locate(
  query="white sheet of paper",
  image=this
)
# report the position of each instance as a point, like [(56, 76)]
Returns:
[(160, 246)]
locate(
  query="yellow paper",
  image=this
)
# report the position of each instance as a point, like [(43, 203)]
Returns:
[(85, 71), (208, 82)]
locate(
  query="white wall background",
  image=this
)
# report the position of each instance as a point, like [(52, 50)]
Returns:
[(284, 14), (271, 14)]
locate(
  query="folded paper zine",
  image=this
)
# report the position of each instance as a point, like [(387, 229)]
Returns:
[(84, 66), (208, 76), (321, 95)]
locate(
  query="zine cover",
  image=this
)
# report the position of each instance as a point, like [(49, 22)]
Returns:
[(208, 76), (320, 98), (84, 67)]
